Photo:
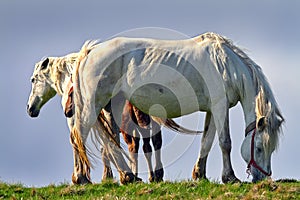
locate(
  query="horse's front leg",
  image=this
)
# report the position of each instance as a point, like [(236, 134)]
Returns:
[(199, 171), (225, 144)]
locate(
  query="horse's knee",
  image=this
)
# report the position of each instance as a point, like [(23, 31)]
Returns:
[(225, 144)]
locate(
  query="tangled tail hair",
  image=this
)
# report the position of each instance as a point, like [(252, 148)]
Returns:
[(75, 138), (77, 144)]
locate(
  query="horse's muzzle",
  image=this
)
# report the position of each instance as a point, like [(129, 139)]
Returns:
[(32, 111)]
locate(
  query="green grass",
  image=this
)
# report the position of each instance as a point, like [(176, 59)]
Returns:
[(165, 190)]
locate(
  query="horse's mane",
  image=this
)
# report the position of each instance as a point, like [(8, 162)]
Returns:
[(62, 65), (65, 65), (266, 104)]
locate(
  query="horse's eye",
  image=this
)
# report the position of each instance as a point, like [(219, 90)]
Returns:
[(259, 150)]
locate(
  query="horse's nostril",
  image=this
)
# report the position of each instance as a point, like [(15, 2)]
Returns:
[(27, 107)]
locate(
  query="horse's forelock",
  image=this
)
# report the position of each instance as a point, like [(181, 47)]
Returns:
[(267, 107)]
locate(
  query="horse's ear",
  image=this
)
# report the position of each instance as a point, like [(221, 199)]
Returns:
[(45, 63), (261, 123)]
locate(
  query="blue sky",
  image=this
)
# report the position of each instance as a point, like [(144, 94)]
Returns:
[(37, 151)]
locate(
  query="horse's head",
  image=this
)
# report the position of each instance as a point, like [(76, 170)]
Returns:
[(261, 139), (41, 88)]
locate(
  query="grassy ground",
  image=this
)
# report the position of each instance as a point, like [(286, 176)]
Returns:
[(166, 190)]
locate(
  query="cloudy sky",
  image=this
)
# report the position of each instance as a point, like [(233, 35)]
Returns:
[(37, 152)]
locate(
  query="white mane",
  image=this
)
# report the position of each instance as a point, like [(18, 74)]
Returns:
[(61, 66)]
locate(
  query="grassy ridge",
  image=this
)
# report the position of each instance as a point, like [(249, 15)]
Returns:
[(165, 190)]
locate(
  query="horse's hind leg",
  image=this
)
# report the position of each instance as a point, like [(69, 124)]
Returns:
[(107, 171), (147, 151), (109, 122), (132, 141), (199, 171), (143, 120), (134, 151), (81, 172), (157, 144)]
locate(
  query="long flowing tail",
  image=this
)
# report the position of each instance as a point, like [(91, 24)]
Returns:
[(77, 143), (170, 124), (104, 126), (76, 139)]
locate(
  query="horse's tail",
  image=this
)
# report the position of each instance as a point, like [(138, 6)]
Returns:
[(170, 124), (78, 144), (76, 139)]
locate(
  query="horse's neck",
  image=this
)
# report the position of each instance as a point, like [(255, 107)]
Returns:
[(60, 79), (248, 103), (65, 83)]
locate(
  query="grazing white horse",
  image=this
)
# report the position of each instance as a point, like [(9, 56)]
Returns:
[(169, 79)]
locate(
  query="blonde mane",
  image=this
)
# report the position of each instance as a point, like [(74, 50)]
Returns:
[(61, 66)]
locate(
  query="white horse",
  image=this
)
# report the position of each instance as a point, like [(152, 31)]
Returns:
[(169, 79), (52, 76)]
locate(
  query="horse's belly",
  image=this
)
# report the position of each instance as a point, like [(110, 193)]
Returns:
[(158, 100)]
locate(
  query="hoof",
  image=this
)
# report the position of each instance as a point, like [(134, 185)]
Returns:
[(230, 179), (196, 174), (159, 174), (107, 174), (80, 180), (151, 177), (129, 178)]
